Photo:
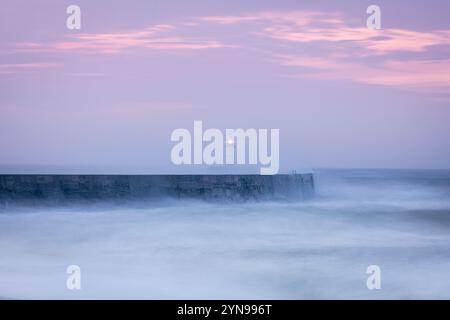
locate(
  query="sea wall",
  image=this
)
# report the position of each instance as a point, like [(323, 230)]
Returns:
[(63, 188)]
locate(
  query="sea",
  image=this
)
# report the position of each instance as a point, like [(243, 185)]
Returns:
[(322, 248)]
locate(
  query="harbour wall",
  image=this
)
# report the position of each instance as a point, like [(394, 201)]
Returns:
[(29, 189)]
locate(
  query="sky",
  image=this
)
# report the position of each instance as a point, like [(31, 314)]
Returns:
[(106, 98)]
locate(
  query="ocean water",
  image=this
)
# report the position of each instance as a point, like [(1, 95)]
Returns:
[(319, 249)]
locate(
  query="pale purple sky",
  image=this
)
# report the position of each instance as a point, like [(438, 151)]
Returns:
[(110, 94)]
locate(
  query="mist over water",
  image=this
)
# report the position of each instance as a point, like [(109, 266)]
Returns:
[(398, 220)]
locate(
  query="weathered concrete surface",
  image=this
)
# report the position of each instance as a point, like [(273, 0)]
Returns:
[(63, 188)]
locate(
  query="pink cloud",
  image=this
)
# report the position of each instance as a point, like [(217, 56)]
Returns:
[(343, 49), (331, 27), (147, 38), (298, 18), (17, 67), (115, 46), (29, 45), (373, 41), (340, 49), (421, 75)]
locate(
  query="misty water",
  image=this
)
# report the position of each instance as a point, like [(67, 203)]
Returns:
[(321, 248)]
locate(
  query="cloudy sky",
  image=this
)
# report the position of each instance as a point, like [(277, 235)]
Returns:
[(109, 95)]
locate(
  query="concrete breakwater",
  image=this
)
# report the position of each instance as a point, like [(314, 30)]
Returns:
[(31, 189)]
